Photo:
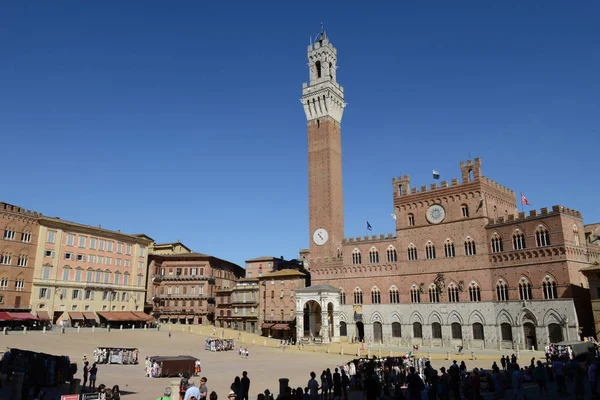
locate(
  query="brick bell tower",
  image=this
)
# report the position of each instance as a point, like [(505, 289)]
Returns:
[(323, 101)]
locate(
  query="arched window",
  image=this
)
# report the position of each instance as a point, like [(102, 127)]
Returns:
[(436, 330), (430, 251), (396, 329), (356, 257), (434, 295), (375, 296), (464, 210), (519, 240), (373, 256), (4, 283), (497, 245), (392, 256), (550, 288), (506, 331), (452, 293), (456, 329), (412, 252), (524, 289), (358, 296), (542, 236), (478, 331), (394, 295), (417, 330), (470, 249), (502, 290), (576, 235), (474, 292), (449, 248), (5, 258), (411, 220), (415, 294), (342, 296), (343, 329), (22, 260)]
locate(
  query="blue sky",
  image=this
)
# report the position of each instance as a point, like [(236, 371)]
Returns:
[(182, 119)]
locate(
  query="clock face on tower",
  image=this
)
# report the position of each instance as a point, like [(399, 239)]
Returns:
[(435, 214), (320, 237)]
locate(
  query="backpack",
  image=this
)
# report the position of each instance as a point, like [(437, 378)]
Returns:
[(183, 385)]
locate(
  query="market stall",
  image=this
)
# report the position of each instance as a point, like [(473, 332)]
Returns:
[(116, 355), (165, 366)]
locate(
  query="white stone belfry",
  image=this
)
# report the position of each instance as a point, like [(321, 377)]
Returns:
[(322, 96), (321, 305)]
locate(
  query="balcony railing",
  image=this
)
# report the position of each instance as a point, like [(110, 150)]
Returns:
[(159, 278), (179, 310), (158, 297)]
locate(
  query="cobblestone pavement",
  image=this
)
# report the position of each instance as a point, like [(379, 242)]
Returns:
[(265, 366)]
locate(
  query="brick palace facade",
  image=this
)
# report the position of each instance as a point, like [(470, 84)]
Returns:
[(464, 265)]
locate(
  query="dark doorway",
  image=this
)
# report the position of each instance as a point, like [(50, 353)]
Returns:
[(377, 332), (529, 334), (555, 333), (360, 331)]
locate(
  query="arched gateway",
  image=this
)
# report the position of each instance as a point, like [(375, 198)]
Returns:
[(318, 314)]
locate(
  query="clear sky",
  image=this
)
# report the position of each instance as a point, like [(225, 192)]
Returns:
[(182, 120)]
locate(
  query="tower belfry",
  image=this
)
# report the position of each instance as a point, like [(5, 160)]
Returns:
[(323, 102)]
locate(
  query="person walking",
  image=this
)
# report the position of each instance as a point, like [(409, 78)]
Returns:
[(86, 372), (245, 386)]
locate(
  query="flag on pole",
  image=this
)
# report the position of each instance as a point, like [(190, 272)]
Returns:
[(394, 216), (524, 200), (369, 226), (436, 175)]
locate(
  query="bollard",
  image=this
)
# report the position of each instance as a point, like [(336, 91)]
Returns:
[(358, 352), (283, 385), (369, 354), (44, 330), (253, 341), (93, 328), (133, 327), (5, 332), (24, 330), (145, 327), (314, 348), (327, 349), (391, 354), (342, 350), (243, 340), (78, 329), (473, 356), (265, 343), (121, 327), (429, 355), (447, 355), (379, 353)]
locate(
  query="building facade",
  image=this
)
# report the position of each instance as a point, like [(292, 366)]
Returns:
[(88, 275), (184, 286), (18, 244), (238, 306), (463, 267), (278, 291), (592, 238)]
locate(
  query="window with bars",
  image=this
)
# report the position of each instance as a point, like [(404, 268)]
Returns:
[(470, 248), (474, 292), (375, 296), (542, 236), (358, 297), (373, 256), (415, 294), (394, 295), (392, 255), (449, 248), (430, 251), (434, 294), (412, 252), (519, 242), (502, 291), (453, 293), (356, 259)]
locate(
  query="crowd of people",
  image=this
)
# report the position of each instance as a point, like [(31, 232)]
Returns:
[(213, 344)]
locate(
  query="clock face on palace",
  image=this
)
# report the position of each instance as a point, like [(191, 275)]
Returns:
[(320, 236), (435, 214)]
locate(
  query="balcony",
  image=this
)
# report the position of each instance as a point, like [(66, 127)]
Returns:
[(157, 279), (242, 302), (179, 310)]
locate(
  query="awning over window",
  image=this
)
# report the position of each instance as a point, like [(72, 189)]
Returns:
[(142, 316), (108, 316), (75, 315), (43, 315), (23, 316), (266, 325), (4, 316), (90, 316), (281, 327)]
